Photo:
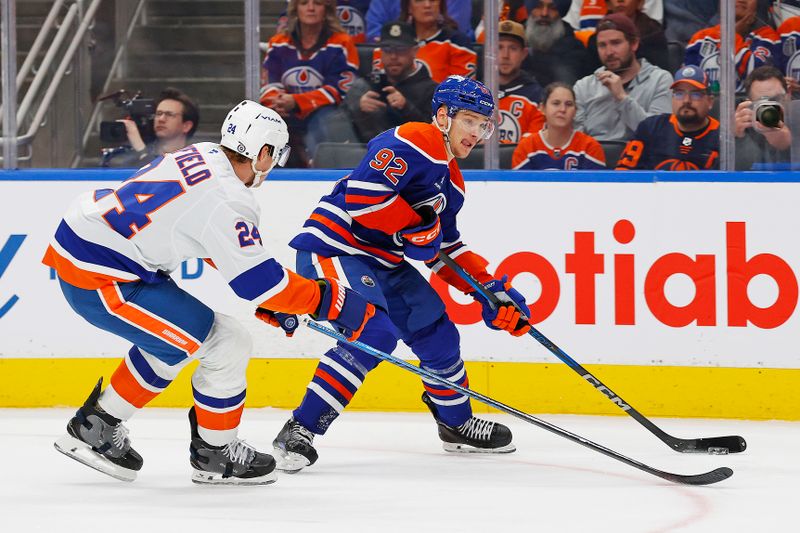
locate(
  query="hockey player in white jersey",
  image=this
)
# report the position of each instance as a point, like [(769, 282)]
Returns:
[(113, 253)]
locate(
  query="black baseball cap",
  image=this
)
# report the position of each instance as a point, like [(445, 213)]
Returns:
[(398, 35)]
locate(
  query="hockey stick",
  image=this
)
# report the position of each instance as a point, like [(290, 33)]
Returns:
[(712, 445), (707, 478)]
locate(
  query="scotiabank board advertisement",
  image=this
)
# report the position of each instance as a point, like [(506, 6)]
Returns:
[(686, 273)]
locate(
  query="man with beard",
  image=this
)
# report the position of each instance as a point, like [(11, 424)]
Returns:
[(625, 90), (399, 93), (519, 91), (652, 40), (687, 139), (555, 53)]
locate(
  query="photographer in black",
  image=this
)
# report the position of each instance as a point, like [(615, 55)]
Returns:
[(399, 94), (762, 137), (170, 128)]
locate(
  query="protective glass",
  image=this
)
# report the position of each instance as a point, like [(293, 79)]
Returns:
[(482, 128)]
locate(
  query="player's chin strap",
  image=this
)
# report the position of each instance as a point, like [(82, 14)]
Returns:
[(446, 132), (261, 174)]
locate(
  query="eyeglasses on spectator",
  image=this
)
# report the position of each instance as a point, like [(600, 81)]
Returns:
[(168, 114), (695, 96)]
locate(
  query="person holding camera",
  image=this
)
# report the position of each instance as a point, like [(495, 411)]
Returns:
[(762, 136), (399, 93), (175, 120)]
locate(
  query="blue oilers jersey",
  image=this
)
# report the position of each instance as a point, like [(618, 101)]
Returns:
[(404, 168), (660, 144), (316, 79), (352, 16)]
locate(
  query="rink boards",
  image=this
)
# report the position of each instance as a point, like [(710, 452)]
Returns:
[(679, 294)]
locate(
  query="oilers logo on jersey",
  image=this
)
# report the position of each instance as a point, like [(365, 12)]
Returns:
[(302, 79), (438, 203), (508, 130), (352, 20)]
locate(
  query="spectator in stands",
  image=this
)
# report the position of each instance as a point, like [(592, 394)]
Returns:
[(652, 40), (756, 44), (509, 10), (352, 16), (310, 66), (757, 143), (558, 146), (175, 121), (382, 11), (625, 90), (686, 139), (789, 31), (442, 48), (519, 91), (583, 15), (402, 93), (555, 53)]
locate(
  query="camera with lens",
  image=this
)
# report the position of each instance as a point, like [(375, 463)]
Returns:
[(768, 112), (140, 110), (379, 80)]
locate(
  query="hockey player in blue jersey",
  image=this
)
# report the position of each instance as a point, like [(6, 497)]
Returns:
[(401, 203)]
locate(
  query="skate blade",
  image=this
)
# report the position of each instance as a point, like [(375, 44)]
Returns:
[(289, 462), (466, 448), (83, 453), (211, 478)]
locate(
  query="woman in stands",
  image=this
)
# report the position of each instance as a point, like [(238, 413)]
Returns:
[(558, 146), (442, 48), (310, 65)]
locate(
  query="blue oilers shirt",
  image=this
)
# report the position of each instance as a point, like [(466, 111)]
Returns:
[(761, 47), (317, 77), (405, 168), (353, 18), (659, 144)]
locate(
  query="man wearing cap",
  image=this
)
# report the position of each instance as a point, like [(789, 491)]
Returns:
[(686, 139), (399, 93), (652, 39), (555, 53), (625, 90), (519, 93)]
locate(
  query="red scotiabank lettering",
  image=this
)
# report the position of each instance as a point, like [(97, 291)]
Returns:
[(585, 264)]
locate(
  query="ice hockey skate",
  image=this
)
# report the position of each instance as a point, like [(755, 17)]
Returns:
[(236, 463), (473, 436), (100, 441), (293, 447)]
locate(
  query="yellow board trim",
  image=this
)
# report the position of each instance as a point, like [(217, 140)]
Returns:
[(665, 391)]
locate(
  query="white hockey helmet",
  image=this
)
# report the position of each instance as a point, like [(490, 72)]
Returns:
[(248, 127)]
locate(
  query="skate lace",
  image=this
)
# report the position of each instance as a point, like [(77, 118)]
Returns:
[(477, 429), (120, 436), (299, 432), (239, 451)]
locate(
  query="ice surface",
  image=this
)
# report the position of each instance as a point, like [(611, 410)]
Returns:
[(387, 472)]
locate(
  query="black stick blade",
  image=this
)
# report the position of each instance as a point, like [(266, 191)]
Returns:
[(708, 478), (712, 445)]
